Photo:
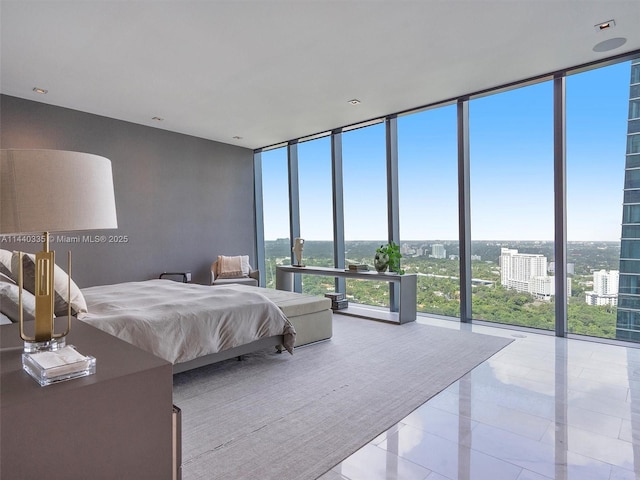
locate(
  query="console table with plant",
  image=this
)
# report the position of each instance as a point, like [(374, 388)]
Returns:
[(406, 303)]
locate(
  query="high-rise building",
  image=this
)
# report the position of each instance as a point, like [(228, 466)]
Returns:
[(606, 283), (438, 251), (605, 288), (527, 272), (544, 287), (517, 269), (628, 316), (406, 249)]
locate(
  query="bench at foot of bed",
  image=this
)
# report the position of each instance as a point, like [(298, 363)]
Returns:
[(310, 315)]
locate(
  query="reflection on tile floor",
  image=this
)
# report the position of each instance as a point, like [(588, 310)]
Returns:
[(542, 408)]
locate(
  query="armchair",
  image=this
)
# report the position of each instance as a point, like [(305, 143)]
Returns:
[(226, 270)]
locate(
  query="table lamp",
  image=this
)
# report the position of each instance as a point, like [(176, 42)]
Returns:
[(43, 191)]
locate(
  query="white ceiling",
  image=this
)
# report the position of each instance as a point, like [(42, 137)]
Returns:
[(271, 71)]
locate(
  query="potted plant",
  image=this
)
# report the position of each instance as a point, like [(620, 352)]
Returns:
[(388, 256)]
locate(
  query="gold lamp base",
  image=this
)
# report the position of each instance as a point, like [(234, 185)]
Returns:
[(44, 338)]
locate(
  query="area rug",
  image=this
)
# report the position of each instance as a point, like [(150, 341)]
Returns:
[(277, 416)]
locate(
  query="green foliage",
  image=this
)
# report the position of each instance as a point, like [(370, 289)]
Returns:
[(438, 289), (392, 250)]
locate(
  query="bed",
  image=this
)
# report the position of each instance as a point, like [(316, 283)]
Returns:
[(189, 325)]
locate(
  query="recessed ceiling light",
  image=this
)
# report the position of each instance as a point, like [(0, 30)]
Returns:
[(355, 101), (605, 25), (157, 119), (40, 90)]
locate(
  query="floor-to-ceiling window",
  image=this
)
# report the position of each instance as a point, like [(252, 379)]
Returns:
[(275, 198), (512, 216), (365, 207), (316, 212), (428, 183), (596, 114)]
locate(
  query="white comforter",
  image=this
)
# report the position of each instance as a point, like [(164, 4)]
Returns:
[(183, 321)]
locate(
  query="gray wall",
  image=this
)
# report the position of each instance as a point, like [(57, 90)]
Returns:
[(181, 200)]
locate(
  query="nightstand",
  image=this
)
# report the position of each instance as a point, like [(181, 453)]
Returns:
[(116, 423)]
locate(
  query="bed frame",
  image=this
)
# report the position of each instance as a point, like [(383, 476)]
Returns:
[(260, 344)]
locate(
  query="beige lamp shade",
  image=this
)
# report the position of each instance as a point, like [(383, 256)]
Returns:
[(55, 191)]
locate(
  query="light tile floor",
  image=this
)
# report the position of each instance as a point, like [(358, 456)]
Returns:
[(542, 408)]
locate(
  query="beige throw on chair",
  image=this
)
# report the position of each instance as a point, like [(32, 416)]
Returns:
[(229, 267), (234, 269)]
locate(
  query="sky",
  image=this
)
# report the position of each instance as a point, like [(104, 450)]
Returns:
[(511, 151)]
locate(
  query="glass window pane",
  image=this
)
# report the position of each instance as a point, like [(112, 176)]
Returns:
[(632, 196), (628, 324), (275, 198), (630, 266), (631, 214), (428, 186), (630, 249), (634, 91), (597, 118), (634, 109), (511, 152), (631, 231), (633, 144), (633, 161), (365, 207), (632, 179), (635, 73), (316, 211), (629, 284), (630, 302)]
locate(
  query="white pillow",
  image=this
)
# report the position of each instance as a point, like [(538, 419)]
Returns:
[(5, 263), (246, 268), (9, 305), (6, 278), (4, 320), (60, 285)]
